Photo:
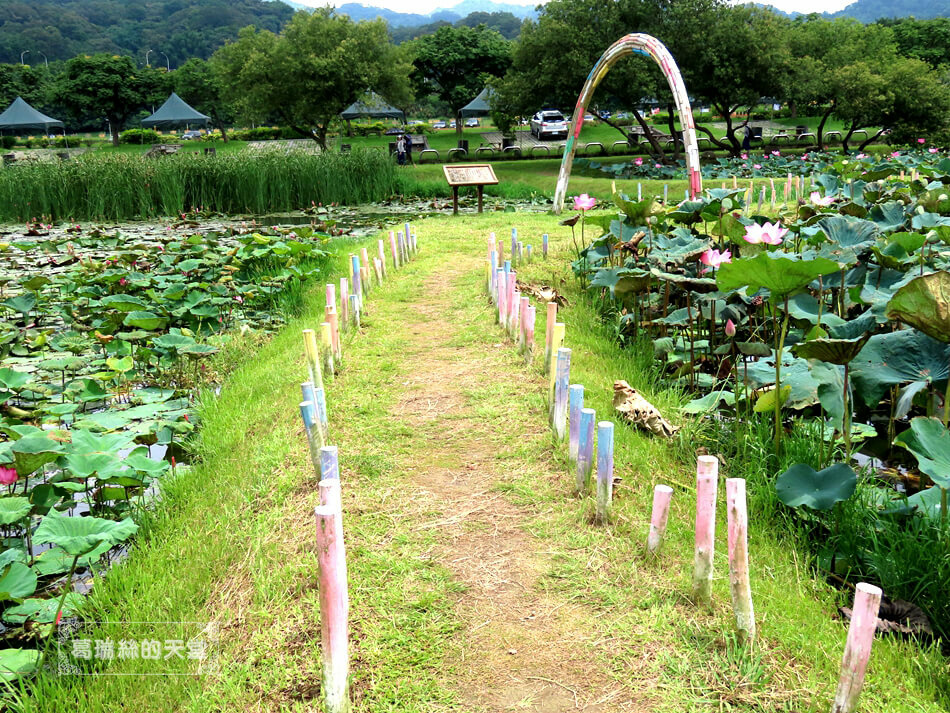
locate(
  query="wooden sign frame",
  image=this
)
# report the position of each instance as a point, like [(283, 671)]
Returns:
[(482, 174)]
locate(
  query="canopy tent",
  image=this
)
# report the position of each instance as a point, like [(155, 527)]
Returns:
[(479, 105), (175, 112), (372, 106), (20, 115)]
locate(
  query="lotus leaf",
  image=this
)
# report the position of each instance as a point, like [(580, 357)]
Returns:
[(18, 662), (850, 233), (929, 440), (835, 351), (781, 274), (766, 401), (888, 216), (144, 320), (42, 611), (17, 581), (820, 490), (710, 401), (81, 535), (13, 509), (13, 380), (123, 303), (924, 303), (31, 453)]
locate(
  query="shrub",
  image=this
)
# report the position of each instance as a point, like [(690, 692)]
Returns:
[(139, 136), (7, 142)]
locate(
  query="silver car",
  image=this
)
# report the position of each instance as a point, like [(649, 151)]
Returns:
[(549, 123)]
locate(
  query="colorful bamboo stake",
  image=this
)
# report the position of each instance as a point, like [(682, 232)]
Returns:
[(557, 340), (330, 316), (408, 231), (544, 246), (326, 341), (857, 649), (707, 484), (392, 248), (639, 192), (511, 304), (356, 277), (738, 523), (331, 295), (549, 333), (772, 200), (661, 511), (605, 470), (528, 252), (520, 251), (523, 303), (575, 399), (514, 322), (514, 243), (338, 345), (329, 463), (323, 420), (355, 310), (344, 304), (312, 354), (381, 254), (334, 603), (666, 193), (585, 451), (308, 416), (529, 335), (378, 269), (502, 296), (562, 378), (366, 266)]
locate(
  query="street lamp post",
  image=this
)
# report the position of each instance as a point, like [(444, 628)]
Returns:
[(22, 55), (168, 65), (44, 58), (147, 53)]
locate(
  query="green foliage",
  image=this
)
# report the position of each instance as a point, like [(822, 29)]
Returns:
[(139, 136), (820, 490)]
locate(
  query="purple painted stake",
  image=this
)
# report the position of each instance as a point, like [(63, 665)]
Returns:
[(575, 398), (322, 418), (408, 231), (585, 450), (561, 379), (502, 295), (334, 600), (514, 243), (355, 310), (329, 463), (605, 470), (544, 246)]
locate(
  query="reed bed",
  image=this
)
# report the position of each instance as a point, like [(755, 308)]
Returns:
[(122, 187)]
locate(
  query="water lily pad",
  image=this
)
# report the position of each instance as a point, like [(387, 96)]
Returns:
[(820, 490)]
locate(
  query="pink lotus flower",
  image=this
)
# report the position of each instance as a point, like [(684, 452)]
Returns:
[(730, 328), (584, 202), (714, 258), (757, 166), (819, 200), (659, 165), (921, 141), (638, 161), (933, 149), (766, 233), (744, 157), (8, 476), (861, 155), (895, 154), (776, 153)]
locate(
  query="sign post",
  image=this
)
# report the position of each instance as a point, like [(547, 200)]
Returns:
[(475, 174)]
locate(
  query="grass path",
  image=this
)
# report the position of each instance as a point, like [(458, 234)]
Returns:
[(476, 581)]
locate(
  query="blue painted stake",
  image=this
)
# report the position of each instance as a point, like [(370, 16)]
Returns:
[(309, 415), (544, 246), (307, 392), (575, 398), (585, 451), (514, 243), (355, 310), (355, 277), (329, 463), (605, 470), (507, 266), (529, 252), (561, 379), (666, 193), (320, 403), (408, 232), (639, 192)]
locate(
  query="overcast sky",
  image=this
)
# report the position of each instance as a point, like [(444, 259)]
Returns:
[(426, 6)]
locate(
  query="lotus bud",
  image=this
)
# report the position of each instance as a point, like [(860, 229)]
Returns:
[(730, 328)]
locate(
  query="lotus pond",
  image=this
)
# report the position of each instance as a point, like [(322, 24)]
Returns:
[(814, 344), (107, 337)]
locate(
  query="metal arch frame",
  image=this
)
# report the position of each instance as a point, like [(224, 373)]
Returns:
[(648, 47)]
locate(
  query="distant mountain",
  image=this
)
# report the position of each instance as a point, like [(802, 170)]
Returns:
[(444, 14), (872, 10)]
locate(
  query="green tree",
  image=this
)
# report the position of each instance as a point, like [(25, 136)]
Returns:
[(455, 63), (307, 75), (927, 40), (197, 85), (17, 80), (109, 86)]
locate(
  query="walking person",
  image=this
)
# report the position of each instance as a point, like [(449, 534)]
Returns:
[(409, 149), (401, 150)]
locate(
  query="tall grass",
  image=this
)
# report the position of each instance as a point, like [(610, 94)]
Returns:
[(120, 187)]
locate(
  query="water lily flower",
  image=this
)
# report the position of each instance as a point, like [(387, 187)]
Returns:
[(714, 258), (730, 328), (933, 149), (819, 200), (8, 476), (768, 233), (638, 161), (584, 202)]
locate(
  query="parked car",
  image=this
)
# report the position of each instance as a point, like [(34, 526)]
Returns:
[(192, 134), (589, 118), (452, 124), (440, 125), (416, 122), (549, 123), (471, 122), (395, 131)]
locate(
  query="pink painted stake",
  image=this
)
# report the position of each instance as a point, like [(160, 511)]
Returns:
[(511, 306), (502, 293), (548, 334), (857, 650), (392, 248), (334, 321), (331, 295), (344, 302), (529, 335), (707, 484), (738, 520), (515, 324), (334, 599), (381, 253), (378, 269), (365, 264), (662, 494), (522, 322)]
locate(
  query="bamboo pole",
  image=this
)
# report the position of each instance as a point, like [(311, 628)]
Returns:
[(502, 294), (529, 335), (308, 416), (330, 317), (857, 649), (323, 421), (378, 269), (661, 511), (510, 305), (344, 303), (605, 470), (355, 310), (338, 346), (329, 463), (381, 254), (364, 261), (544, 246), (557, 340), (326, 341), (392, 248), (523, 303), (514, 244), (575, 398), (331, 295), (334, 601), (528, 252), (741, 589), (585, 451), (707, 483), (549, 333), (559, 408), (515, 321), (312, 354)]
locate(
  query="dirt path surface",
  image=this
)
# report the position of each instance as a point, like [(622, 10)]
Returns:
[(523, 648)]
